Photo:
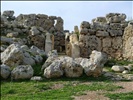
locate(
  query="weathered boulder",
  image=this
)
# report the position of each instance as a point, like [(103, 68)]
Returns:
[(129, 67), (125, 72), (59, 24), (12, 34), (5, 71), (48, 62), (34, 31), (8, 13), (94, 43), (102, 34), (118, 68), (38, 58), (12, 56), (3, 48), (36, 51), (117, 43), (115, 33), (24, 47), (22, 72), (15, 55), (6, 40), (100, 20), (115, 17), (53, 53), (37, 40), (28, 59), (94, 65), (54, 70), (85, 24), (36, 78), (32, 55), (84, 31), (99, 26), (71, 67), (106, 42)]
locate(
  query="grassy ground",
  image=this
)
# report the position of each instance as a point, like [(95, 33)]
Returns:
[(32, 90), (121, 96)]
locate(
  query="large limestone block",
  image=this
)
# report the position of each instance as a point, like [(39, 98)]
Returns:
[(100, 20), (84, 31), (99, 26), (22, 72), (28, 59), (83, 39), (6, 40), (54, 70), (72, 69), (5, 71), (106, 42), (115, 26), (115, 32), (13, 34), (12, 56), (53, 53), (37, 40), (34, 30), (94, 65), (85, 24), (118, 68), (94, 43), (48, 62), (115, 17), (36, 51), (102, 34), (117, 42), (8, 13)]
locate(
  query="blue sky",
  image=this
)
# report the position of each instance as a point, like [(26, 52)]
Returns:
[(73, 12)]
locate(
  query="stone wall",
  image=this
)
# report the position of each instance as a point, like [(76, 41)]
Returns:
[(105, 34), (33, 27), (110, 34)]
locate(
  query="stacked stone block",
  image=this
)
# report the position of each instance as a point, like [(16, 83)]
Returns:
[(103, 34), (33, 27)]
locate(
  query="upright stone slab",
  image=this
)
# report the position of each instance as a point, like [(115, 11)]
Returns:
[(128, 42), (75, 50), (49, 42)]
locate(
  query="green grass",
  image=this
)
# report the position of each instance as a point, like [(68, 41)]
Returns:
[(121, 96), (32, 90), (112, 62), (37, 69), (108, 65)]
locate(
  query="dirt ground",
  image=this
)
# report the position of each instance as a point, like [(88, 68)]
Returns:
[(98, 95)]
